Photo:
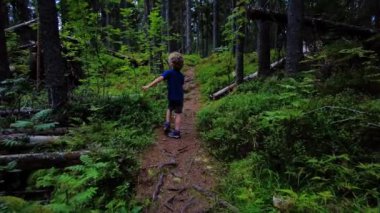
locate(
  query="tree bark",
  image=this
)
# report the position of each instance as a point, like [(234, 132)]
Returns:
[(53, 61), (36, 161), (189, 39), (4, 64), (240, 36), (215, 24), (294, 36), (263, 43)]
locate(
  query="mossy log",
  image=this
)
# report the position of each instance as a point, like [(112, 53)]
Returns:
[(55, 131), (36, 161)]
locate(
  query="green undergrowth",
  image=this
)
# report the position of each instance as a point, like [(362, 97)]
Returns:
[(115, 127), (217, 71), (306, 143)]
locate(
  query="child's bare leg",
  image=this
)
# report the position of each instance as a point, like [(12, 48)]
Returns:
[(177, 122), (168, 115)]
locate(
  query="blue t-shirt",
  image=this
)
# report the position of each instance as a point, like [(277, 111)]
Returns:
[(175, 81)]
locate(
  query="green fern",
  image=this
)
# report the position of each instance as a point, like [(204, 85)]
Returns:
[(42, 116), (11, 143), (84, 197), (22, 124)]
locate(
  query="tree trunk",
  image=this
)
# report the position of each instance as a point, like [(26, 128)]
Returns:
[(316, 23), (294, 36), (240, 37), (53, 62), (263, 43), (4, 64), (36, 161), (23, 14), (166, 15), (215, 25), (188, 43), (233, 4)]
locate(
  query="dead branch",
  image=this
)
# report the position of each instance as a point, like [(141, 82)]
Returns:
[(158, 187), (229, 88), (317, 23), (9, 29)]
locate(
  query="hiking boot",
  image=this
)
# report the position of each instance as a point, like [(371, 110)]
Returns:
[(174, 134), (166, 128)]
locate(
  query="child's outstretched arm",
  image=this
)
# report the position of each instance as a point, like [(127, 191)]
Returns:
[(153, 83)]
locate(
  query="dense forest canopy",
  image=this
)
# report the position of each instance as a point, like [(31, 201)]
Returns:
[(281, 105)]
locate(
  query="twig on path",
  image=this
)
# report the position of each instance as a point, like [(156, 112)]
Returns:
[(172, 162), (191, 165), (167, 153), (168, 207), (176, 175), (182, 149), (170, 200), (158, 187), (187, 205), (213, 196)]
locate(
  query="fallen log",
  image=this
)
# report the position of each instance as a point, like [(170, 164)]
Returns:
[(55, 131), (229, 88), (317, 23), (21, 112), (9, 29), (36, 161), (29, 141), (29, 195)]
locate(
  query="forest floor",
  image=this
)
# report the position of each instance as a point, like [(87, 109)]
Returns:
[(178, 175)]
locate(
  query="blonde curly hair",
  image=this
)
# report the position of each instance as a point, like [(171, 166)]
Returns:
[(176, 60)]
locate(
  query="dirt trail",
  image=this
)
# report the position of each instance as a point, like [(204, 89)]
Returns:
[(172, 169)]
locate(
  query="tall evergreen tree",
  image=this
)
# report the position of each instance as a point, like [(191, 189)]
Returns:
[(263, 43), (294, 36), (4, 64), (240, 36), (188, 34), (22, 13), (53, 62), (215, 24)]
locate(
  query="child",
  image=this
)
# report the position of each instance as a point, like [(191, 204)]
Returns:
[(175, 81)]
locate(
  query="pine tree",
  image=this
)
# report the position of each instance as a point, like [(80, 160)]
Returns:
[(263, 43), (4, 64), (53, 61), (294, 36)]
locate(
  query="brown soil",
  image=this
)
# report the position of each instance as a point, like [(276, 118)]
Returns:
[(172, 167)]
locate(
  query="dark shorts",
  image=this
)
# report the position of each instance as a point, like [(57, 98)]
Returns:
[(175, 106)]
